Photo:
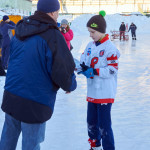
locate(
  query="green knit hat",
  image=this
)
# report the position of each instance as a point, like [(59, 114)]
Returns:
[(98, 22)]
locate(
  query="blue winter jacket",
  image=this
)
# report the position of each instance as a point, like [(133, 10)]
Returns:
[(1, 38), (40, 63), (132, 28)]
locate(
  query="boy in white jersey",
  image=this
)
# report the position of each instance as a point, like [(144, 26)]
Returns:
[(99, 64)]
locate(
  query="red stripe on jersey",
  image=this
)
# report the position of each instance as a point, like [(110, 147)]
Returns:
[(99, 101), (104, 39), (114, 65), (112, 57), (97, 70)]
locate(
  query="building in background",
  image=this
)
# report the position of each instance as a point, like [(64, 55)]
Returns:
[(24, 6), (110, 6)]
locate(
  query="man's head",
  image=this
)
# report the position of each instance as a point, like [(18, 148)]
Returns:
[(122, 22), (5, 18), (97, 26), (51, 7)]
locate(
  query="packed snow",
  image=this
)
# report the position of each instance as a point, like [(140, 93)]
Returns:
[(67, 129)]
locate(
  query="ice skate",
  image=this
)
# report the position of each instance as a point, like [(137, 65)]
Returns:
[(96, 148)]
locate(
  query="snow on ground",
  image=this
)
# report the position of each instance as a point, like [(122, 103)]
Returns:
[(67, 130)]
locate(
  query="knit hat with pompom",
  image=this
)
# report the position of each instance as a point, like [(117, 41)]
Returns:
[(98, 22)]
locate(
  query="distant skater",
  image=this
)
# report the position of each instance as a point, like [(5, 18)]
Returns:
[(133, 30), (122, 30)]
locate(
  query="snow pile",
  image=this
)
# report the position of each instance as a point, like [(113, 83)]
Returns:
[(13, 12), (113, 23), (2, 14)]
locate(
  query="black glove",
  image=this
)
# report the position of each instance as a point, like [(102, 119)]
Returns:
[(85, 68)]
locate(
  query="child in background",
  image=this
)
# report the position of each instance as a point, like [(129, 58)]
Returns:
[(99, 64), (66, 32)]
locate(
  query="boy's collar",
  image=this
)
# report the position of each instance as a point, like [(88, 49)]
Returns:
[(104, 39)]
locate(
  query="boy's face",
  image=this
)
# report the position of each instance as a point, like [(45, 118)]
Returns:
[(95, 35)]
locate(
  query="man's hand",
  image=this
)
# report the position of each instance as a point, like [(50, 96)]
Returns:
[(7, 21), (68, 92)]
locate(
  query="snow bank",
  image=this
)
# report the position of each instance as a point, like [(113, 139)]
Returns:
[(113, 23), (2, 14)]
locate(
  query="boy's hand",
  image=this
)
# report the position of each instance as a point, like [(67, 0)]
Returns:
[(87, 71), (84, 67)]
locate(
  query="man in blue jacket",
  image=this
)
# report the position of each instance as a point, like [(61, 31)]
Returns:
[(133, 31), (5, 28), (40, 63)]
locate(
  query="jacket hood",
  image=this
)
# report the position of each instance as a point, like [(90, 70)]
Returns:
[(33, 25)]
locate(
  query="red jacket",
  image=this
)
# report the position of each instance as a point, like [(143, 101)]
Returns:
[(68, 37)]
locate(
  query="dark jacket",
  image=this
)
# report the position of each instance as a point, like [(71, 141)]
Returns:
[(40, 63), (132, 28), (4, 29), (1, 38), (122, 27)]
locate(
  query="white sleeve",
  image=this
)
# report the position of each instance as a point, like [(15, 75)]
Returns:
[(84, 54), (112, 65)]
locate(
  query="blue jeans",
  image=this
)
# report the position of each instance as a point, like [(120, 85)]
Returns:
[(32, 134)]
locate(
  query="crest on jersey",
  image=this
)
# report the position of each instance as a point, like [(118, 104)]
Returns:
[(101, 53), (89, 51)]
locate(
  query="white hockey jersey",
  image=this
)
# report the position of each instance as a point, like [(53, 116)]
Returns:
[(104, 58)]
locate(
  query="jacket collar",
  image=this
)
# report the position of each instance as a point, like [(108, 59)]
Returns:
[(34, 25), (102, 40), (43, 17)]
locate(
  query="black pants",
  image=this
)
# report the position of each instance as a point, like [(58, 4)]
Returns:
[(2, 71), (133, 34)]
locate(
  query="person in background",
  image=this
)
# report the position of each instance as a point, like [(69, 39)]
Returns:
[(133, 30), (66, 32), (99, 64), (2, 71), (40, 64), (58, 24), (1, 38), (5, 27), (122, 30)]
